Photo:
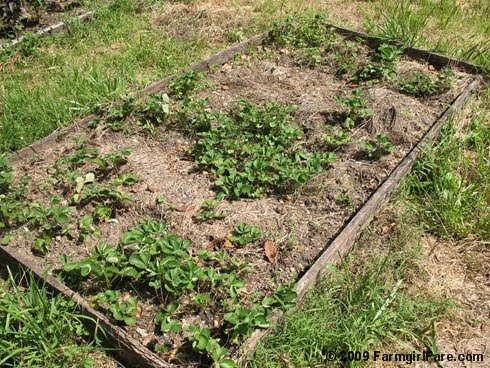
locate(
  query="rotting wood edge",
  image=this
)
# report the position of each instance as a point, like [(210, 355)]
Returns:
[(129, 350), (55, 28), (133, 352)]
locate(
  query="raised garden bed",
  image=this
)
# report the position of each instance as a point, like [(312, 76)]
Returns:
[(38, 18), (186, 221)]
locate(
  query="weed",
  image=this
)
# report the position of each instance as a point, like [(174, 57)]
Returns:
[(343, 199), (39, 329), (449, 186)]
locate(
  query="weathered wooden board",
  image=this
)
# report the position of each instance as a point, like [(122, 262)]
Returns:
[(130, 351), (136, 355), (53, 29)]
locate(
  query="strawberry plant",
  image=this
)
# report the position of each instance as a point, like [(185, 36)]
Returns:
[(245, 234), (345, 55), (202, 342), (357, 109), (302, 32), (6, 173), (382, 67), (186, 84), (154, 112), (116, 114), (308, 36), (123, 309), (381, 145), (251, 151), (208, 211), (421, 85), (337, 139)]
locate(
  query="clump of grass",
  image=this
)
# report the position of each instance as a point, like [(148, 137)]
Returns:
[(38, 329), (352, 312), (450, 183)]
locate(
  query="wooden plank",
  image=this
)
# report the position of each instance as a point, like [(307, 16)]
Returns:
[(220, 58), (127, 349), (432, 58), (53, 29), (346, 239)]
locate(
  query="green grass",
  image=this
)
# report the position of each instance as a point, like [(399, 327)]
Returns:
[(450, 183), (94, 63), (459, 29), (38, 329), (357, 306)]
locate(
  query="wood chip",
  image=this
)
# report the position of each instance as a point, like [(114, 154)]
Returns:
[(270, 251), (185, 208)]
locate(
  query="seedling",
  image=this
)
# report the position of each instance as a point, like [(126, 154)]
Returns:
[(357, 108), (208, 211), (245, 234), (378, 147), (187, 83), (343, 199)]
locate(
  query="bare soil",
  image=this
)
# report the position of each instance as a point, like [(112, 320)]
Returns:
[(301, 223)]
